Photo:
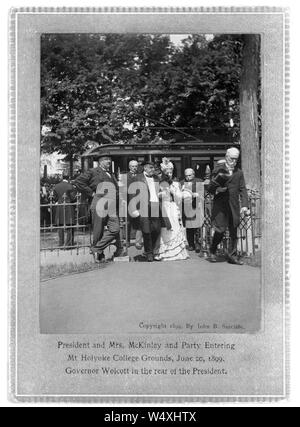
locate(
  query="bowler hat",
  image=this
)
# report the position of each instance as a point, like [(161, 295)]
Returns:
[(104, 153), (148, 161)]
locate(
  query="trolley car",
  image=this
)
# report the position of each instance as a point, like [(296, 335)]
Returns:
[(183, 155)]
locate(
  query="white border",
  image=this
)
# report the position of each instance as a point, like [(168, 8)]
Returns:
[(295, 206), (133, 12)]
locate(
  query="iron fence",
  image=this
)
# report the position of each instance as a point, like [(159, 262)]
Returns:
[(76, 230), (249, 230)]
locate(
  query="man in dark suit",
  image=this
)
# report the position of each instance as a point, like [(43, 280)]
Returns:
[(64, 193), (44, 200), (228, 186), (101, 187), (133, 166), (192, 212), (145, 208)]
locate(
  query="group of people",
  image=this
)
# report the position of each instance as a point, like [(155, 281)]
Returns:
[(167, 213), (61, 208), (178, 207)]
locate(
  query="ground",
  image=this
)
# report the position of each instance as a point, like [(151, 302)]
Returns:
[(161, 297)]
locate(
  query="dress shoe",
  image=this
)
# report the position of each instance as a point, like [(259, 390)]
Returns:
[(212, 258), (234, 260), (198, 248), (99, 257), (140, 258), (119, 252), (150, 258)]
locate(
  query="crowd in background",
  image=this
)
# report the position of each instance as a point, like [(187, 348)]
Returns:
[(47, 186), (168, 232)]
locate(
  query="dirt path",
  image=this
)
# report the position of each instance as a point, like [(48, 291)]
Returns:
[(161, 297)]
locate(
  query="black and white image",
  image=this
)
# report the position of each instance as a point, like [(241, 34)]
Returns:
[(148, 168), (150, 183)]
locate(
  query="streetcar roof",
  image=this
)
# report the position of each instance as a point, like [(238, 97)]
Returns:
[(176, 148)]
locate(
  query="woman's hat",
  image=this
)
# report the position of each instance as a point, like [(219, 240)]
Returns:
[(166, 164)]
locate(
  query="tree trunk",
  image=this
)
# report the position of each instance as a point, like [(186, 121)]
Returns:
[(250, 146), (250, 136)]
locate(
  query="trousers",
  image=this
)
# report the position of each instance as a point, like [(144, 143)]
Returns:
[(106, 226), (219, 234), (191, 235), (150, 240), (66, 236)]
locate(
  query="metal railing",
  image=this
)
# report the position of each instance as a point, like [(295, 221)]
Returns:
[(65, 225), (249, 230), (75, 231)]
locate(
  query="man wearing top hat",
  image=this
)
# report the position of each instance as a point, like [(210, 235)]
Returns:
[(145, 208), (101, 187), (230, 201)]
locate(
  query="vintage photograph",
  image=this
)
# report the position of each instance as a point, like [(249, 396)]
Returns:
[(148, 203), (150, 183)]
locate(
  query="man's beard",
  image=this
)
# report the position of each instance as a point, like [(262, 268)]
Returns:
[(230, 165)]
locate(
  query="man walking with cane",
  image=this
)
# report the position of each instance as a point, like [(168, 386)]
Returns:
[(229, 190)]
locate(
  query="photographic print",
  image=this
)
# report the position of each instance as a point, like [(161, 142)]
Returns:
[(151, 260)]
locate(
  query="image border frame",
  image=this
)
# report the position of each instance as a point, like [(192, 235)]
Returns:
[(13, 196)]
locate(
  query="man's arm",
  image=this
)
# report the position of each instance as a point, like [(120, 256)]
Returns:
[(55, 195), (213, 187), (243, 192), (82, 183), (73, 193)]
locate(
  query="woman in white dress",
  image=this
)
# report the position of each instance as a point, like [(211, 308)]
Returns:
[(171, 245)]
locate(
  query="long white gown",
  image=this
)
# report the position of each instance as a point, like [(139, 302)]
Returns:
[(171, 245)]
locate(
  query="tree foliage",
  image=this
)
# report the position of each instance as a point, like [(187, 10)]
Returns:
[(117, 88)]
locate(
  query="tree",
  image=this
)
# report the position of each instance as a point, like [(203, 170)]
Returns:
[(118, 88), (249, 110), (91, 85)]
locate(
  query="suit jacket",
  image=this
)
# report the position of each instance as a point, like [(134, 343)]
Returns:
[(127, 196), (231, 200), (64, 192), (193, 185), (145, 221), (130, 178), (95, 181), (188, 215), (88, 181)]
